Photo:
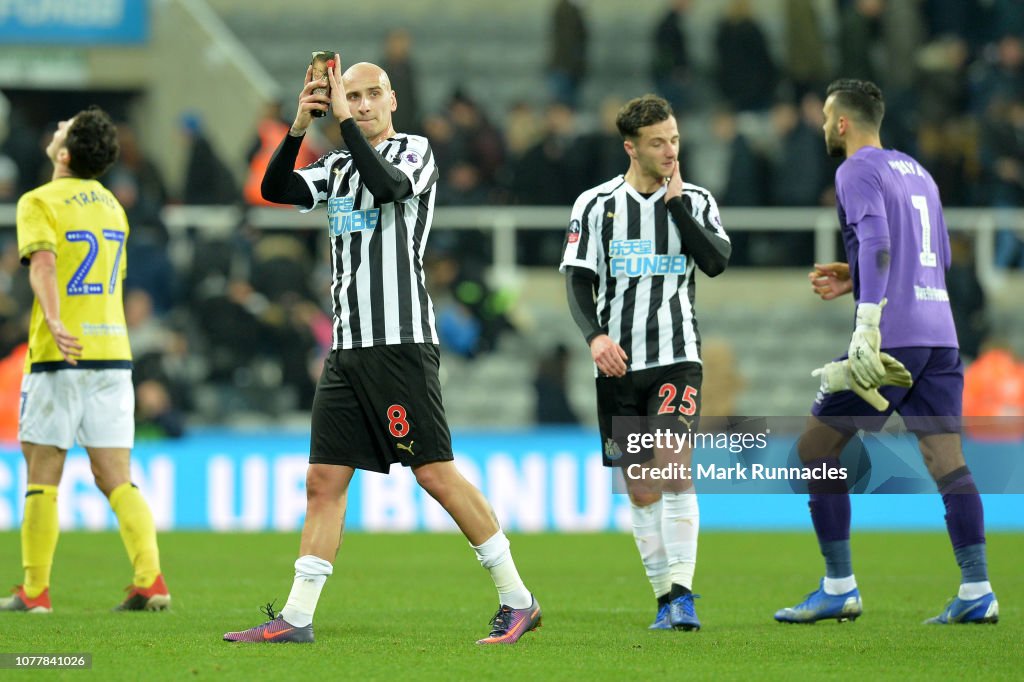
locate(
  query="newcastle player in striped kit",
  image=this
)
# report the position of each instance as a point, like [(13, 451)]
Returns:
[(378, 400), (632, 250)]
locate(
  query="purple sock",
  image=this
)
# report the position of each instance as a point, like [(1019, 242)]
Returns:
[(830, 513), (965, 522)]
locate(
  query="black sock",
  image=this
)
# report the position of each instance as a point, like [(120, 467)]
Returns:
[(678, 591), (664, 599)]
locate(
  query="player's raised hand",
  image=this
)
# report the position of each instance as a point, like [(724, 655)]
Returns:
[(674, 184), (608, 356), (66, 343), (339, 97), (310, 101), (830, 280)]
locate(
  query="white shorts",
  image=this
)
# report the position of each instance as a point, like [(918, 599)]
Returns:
[(96, 407)]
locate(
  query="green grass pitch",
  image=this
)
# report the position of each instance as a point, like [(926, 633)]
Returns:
[(409, 607)]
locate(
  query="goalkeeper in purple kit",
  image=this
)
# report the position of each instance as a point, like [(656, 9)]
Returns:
[(898, 251)]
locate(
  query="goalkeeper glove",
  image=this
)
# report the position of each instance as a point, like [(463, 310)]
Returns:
[(836, 376), (865, 366)]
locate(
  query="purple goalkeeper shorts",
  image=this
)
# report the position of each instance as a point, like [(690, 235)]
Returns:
[(934, 404)]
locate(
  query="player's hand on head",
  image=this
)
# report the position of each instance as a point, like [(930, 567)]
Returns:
[(830, 280), (66, 343), (339, 97), (608, 356)]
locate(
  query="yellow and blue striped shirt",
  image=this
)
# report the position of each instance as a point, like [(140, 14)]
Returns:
[(84, 225)]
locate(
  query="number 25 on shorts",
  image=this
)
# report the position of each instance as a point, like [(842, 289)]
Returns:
[(687, 404)]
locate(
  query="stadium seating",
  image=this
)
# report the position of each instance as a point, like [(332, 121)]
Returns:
[(774, 361), (474, 46)]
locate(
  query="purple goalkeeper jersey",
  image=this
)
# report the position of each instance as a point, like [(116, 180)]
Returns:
[(893, 186)]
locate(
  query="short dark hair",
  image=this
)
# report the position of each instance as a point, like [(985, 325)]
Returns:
[(642, 111), (92, 143), (862, 99)]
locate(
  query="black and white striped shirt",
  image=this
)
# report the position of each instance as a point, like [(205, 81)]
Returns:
[(645, 276), (379, 291)]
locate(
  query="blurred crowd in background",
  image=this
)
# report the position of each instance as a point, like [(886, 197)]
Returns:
[(212, 331)]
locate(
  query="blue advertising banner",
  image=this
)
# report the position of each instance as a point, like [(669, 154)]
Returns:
[(537, 480), (74, 22)]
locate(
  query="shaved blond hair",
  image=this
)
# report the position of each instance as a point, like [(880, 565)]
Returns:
[(367, 71)]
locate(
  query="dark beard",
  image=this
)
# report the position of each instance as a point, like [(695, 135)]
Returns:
[(835, 151)]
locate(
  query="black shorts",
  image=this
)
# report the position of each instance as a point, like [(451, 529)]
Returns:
[(672, 393), (380, 405)]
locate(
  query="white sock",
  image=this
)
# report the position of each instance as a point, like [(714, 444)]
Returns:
[(647, 534), (974, 590), (310, 575), (836, 586), (680, 524), (495, 556)]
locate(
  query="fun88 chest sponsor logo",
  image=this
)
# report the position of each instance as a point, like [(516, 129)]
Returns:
[(636, 258), (343, 219)]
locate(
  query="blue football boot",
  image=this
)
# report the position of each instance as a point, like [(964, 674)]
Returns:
[(681, 614), (661, 621), (984, 609), (821, 606)]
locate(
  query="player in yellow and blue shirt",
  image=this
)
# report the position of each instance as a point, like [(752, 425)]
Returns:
[(81, 223), (78, 384)]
